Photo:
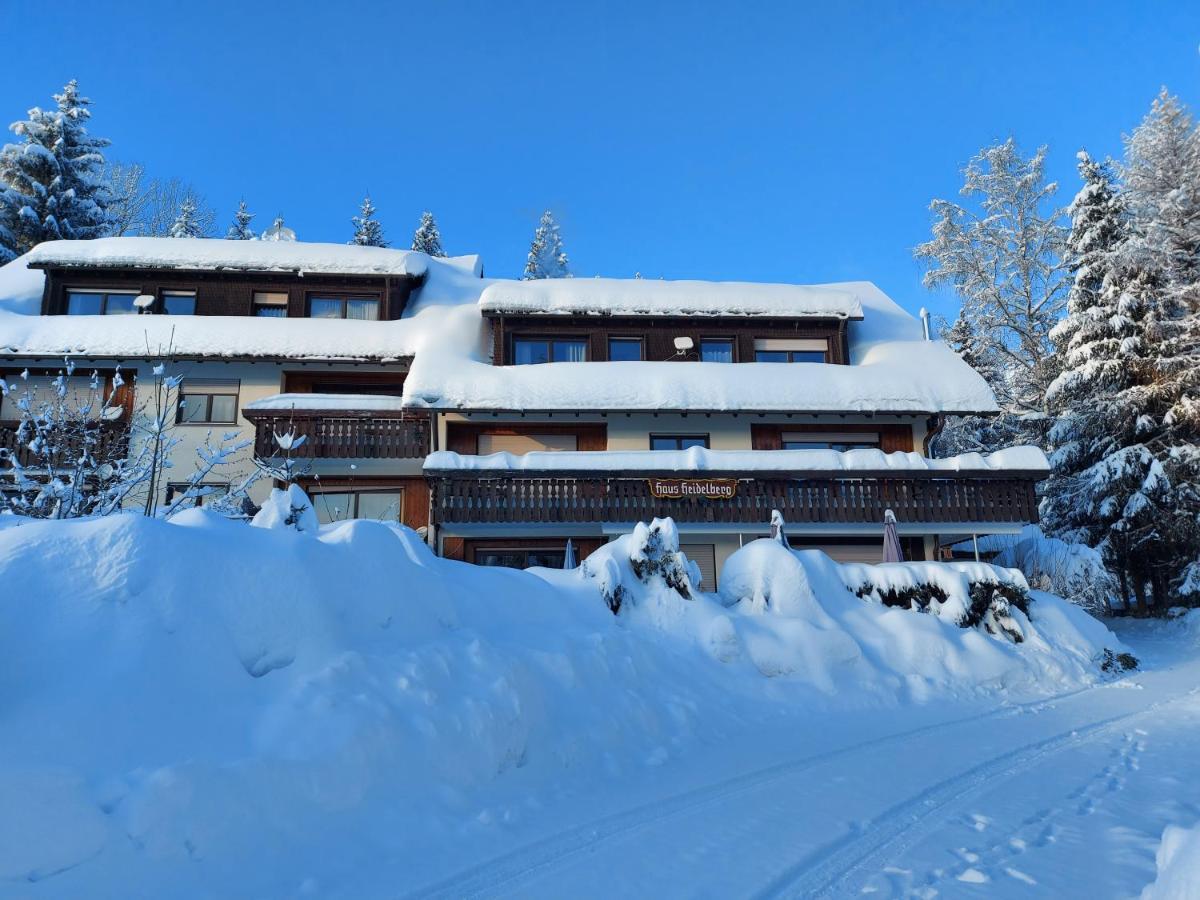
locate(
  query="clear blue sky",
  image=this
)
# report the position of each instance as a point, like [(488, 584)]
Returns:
[(772, 142)]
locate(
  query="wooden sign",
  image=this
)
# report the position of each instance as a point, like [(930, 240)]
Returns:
[(683, 488)]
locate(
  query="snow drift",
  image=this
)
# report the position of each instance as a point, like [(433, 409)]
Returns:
[(203, 707), (1178, 862)]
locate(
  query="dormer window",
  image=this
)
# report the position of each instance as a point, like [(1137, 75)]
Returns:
[(343, 307), (531, 351), (270, 304), (101, 303), (791, 350), (179, 303)]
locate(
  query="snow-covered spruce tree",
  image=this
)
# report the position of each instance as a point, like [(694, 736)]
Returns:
[(51, 181), (367, 230), (1002, 255), (186, 224), (427, 238), (1117, 483), (546, 257), (240, 230)]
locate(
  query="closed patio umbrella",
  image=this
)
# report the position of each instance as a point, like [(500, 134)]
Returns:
[(891, 540), (569, 556)]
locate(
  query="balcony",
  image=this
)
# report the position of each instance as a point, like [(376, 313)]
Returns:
[(342, 433), (471, 490)]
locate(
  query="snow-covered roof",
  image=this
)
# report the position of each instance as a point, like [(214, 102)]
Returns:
[(289, 402), (698, 459), (893, 370), (203, 254), (645, 297), (445, 314)]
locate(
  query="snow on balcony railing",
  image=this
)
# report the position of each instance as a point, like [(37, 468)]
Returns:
[(1028, 460)]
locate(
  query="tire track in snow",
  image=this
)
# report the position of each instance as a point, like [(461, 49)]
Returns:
[(508, 870), (831, 869)]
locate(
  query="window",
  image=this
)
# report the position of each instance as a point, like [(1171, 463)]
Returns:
[(625, 349), (677, 441), (179, 303), (207, 402), (380, 505), (530, 351), (327, 307), (716, 350), (521, 558), (371, 388), (704, 556), (101, 303), (829, 440), (271, 304), (525, 443), (802, 350)]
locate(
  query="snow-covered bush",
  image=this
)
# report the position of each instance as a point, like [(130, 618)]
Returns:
[(649, 557), (287, 507), (1075, 572)]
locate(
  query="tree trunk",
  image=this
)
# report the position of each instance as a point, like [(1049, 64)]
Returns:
[(1139, 593)]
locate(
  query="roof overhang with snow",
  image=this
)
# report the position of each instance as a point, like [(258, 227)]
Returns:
[(216, 255), (645, 297)]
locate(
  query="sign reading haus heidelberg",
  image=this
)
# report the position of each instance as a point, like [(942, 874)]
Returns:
[(682, 488)]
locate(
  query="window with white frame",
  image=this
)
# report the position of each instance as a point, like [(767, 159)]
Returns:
[(213, 402)]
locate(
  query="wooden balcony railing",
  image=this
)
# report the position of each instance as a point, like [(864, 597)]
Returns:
[(486, 497), (113, 444), (343, 434)]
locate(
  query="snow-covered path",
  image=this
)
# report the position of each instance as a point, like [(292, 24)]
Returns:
[(1062, 797)]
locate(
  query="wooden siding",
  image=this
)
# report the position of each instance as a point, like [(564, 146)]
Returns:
[(229, 293), (463, 437), (892, 438), (659, 333)]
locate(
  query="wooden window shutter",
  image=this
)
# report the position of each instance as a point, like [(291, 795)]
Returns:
[(766, 437)]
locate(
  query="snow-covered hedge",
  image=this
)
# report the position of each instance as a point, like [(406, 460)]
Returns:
[(1178, 862)]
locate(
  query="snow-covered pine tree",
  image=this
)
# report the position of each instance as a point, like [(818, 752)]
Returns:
[(51, 181), (240, 230), (427, 238), (546, 257), (186, 225), (1116, 482), (367, 230), (1002, 256)]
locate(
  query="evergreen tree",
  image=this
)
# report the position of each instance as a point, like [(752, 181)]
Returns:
[(427, 238), (51, 181), (186, 225), (367, 230), (1002, 254), (240, 230), (546, 257)]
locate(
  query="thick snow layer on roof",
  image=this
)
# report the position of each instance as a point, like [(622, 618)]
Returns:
[(638, 297), (911, 377), (444, 314), (214, 253), (893, 370), (21, 288), (698, 459), (288, 402)]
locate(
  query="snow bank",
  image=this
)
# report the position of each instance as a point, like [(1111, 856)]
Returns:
[(1178, 862), (699, 459), (642, 297), (200, 707), (200, 254)]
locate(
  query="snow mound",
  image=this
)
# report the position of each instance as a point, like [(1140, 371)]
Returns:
[(21, 288), (1178, 862), (209, 708)]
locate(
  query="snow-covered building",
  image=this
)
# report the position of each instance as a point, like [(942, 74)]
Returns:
[(507, 418)]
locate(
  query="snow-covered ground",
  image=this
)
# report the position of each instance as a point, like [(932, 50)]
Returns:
[(203, 708)]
